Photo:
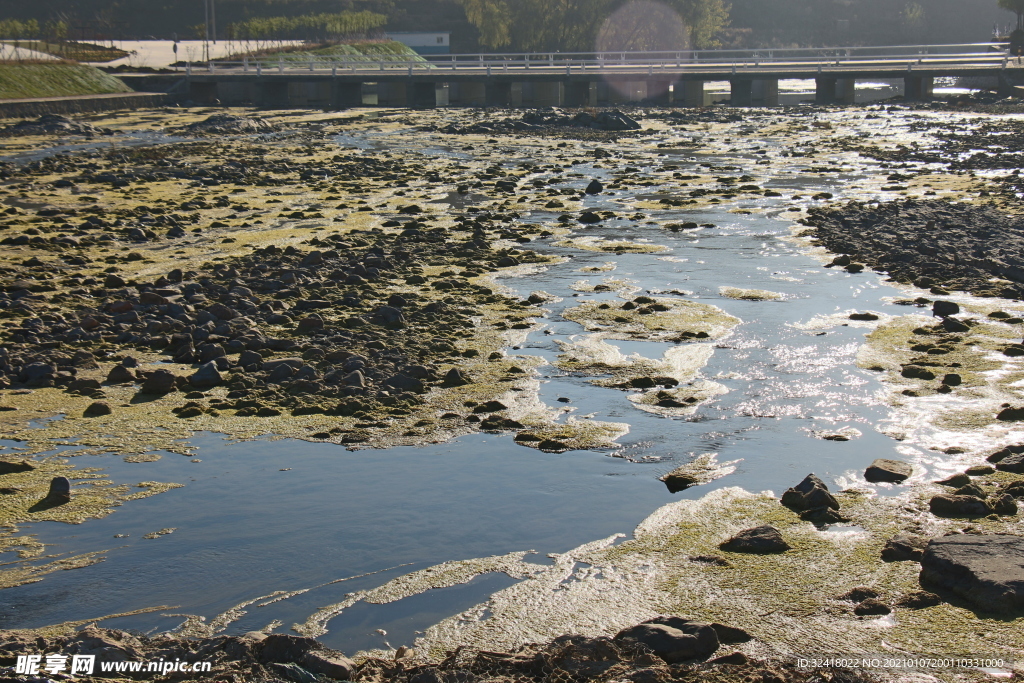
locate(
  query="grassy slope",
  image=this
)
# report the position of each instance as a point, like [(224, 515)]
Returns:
[(356, 52), (55, 80)]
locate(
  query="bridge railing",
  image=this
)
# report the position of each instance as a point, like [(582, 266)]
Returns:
[(571, 62)]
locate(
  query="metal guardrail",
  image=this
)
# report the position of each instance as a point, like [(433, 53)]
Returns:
[(892, 56)]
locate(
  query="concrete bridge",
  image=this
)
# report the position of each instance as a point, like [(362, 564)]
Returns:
[(592, 79)]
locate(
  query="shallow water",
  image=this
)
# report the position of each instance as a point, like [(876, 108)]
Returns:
[(244, 528)]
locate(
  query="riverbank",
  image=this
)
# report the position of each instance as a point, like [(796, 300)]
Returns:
[(58, 79), (266, 274)]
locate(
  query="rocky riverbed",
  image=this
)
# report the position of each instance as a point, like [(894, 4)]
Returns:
[(256, 273)]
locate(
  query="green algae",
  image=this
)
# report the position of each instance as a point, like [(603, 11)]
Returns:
[(658, 319)]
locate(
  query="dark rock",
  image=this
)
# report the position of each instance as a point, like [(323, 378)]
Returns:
[(919, 600), (1012, 463), (859, 594), (679, 481), (206, 376), (1003, 504), (871, 607), (404, 383), (730, 635), (507, 262), (883, 469), (945, 308), (761, 539), (589, 217), (1011, 414), (97, 409), (113, 282), (354, 379), (809, 494), (595, 187), (60, 490), (311, 323), (454, 378), (956, 480), (904, 546), (7, 467), (159, 382), (672, 638), (952, 505), (207, 352), (952, 379), (249, 358), (119, 374), (388, 316), (986, 570)]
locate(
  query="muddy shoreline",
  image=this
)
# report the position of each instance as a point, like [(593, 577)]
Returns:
[(274, 283)]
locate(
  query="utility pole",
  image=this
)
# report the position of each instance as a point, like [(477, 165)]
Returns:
[(206, 27), (213, 20)]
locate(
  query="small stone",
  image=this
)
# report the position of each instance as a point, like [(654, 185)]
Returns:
[(97, 409), (859, 594), (454, 378), (871, 607), (979, 470), (945, 308), (903, 547), (919, 600), (761, 539), (956, 481), (311, 323)]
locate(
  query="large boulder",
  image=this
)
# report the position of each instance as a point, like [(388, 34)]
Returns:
[(672, 638), (760, 539), (985, 570), (884, 469), (809, 494), (953, 505), (206, 376), (307, 653), (1012, 463), (159, 382)]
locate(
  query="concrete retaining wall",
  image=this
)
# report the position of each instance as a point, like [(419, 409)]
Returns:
[(30, 108)]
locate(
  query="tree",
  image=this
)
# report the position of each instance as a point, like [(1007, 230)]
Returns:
[(1016, 6), (587, 25)]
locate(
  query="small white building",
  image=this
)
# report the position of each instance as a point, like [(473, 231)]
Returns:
[(425, 43)]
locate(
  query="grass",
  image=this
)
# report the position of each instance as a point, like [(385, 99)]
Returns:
[(366, 51), (80, 52), (55, 79)]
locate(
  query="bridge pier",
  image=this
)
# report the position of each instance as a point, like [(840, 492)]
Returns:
[(658, 90), (273, 94), (467, 94), (202, 93), (834, 90), (346, 95), (580, 94), (543, 93), (498, 94), (754, 92), (688, 93), (423, 95), (391, 94), (918, 88)]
